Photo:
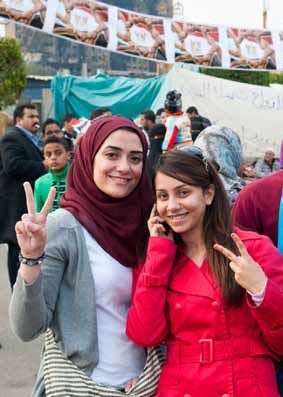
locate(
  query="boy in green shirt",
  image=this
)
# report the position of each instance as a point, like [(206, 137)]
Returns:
[(56, 157)]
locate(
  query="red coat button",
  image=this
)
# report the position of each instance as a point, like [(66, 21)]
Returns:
[(226, 395), (178, 307), (216, 305), (187, 395)]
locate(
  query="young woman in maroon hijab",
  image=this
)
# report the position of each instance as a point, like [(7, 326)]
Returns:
[(76, 273)]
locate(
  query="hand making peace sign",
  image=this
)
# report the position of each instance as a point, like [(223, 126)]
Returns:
[(248, 274), (31, 231)]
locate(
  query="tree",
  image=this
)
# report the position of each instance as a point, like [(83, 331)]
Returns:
[(12, 71), (256, 77)]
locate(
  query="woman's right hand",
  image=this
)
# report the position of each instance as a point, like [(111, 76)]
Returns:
[(31, 230), (156, 225)]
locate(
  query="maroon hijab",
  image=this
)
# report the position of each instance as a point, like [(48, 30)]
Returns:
[(115, 223)]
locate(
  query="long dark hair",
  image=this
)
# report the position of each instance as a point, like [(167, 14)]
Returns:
[(191, 168)]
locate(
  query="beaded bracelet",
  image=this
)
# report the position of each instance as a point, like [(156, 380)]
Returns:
[(31, 261)]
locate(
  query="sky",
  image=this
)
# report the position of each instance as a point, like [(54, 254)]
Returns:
[(238, 13)]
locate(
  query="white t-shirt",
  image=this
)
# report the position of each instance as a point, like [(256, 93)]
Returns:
[(20, 5), (82, 20), (141, 37), (251, 50), (120, 360), (197, 46)]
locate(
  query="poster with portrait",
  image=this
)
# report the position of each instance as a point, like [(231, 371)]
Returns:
[(251, 49), (141, 35), (197, 44), (82, 20), (27, 12)]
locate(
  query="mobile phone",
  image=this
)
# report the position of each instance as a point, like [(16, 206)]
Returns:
[(165, 224), (167, 228)]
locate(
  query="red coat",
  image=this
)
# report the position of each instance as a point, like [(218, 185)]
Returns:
[(212, 351), (257, 206)]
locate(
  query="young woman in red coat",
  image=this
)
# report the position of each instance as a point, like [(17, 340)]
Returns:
[(212, 292)]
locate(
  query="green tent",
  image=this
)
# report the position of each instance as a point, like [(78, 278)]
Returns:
[(123, 95)]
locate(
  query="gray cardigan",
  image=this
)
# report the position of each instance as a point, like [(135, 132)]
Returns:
[(62, 297)]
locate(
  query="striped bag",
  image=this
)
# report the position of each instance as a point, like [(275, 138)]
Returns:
[(64, 379)]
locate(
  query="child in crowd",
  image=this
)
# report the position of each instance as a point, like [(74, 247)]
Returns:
[(57, 156)]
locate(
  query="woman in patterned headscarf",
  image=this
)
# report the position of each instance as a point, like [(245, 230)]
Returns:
[(223, 145)]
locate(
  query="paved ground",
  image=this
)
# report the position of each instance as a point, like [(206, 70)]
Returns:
[(18, 361)]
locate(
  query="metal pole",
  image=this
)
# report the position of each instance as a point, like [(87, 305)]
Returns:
[(264, 14)]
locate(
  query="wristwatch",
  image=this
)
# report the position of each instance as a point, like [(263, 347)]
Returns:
[(31, 261)]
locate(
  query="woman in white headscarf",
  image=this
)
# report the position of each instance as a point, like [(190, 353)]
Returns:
[(223, 145)]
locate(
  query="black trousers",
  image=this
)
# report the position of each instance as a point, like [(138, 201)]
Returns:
[(13, 262)]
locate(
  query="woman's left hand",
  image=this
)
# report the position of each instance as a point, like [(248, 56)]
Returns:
[(130, 384), (248, 274)]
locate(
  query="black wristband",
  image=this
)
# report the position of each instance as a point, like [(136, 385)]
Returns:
[(31, 261)]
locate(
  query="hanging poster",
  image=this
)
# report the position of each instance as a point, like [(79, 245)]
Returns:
[(197, 44), (85, 21), (251, 49), (27, 12), (141, 35)]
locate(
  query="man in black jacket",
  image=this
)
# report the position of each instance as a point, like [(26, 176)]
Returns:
[(198, 123), (20, 160)]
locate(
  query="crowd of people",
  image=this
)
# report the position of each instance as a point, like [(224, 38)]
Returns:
[(145, 254)]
